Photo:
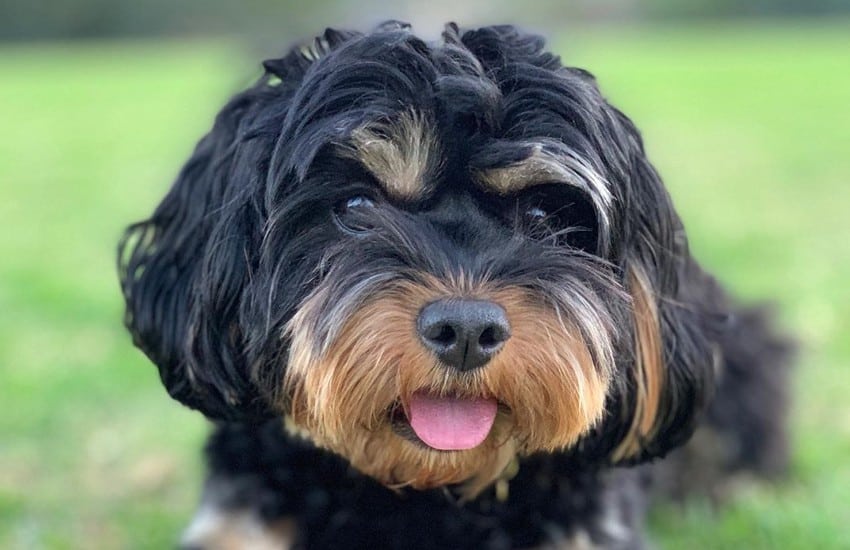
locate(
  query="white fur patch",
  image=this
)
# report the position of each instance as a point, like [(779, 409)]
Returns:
[(220, 527)]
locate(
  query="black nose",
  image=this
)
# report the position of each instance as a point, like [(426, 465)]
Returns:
[(464, 334)]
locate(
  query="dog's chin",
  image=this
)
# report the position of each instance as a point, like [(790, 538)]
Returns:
[(403, 459), (402, 452)]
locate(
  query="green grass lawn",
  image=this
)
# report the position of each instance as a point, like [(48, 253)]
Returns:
[(750, 126)]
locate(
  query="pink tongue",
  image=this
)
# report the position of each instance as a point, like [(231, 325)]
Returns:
[(451, 423)]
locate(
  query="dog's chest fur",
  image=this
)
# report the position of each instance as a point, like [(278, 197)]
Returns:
[(267, 490)]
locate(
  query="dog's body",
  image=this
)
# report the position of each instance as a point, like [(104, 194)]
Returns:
[(433, 294)]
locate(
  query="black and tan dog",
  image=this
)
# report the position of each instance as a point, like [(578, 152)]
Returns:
[(432, 294)]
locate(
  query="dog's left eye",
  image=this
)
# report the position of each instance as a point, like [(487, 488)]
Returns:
[(558, 213), (535, 214), (541, 209), (358, 201), (351, 214)]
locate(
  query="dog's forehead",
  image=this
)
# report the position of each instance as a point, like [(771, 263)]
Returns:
[(415, 114)]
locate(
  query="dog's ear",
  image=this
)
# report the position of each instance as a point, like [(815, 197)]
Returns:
[(670, 372), (186, 270), (183, 271)]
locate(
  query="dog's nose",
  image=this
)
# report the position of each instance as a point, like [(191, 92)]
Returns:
[(464, 334)]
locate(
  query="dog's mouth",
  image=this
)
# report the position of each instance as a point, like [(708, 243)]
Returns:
[(445, 423)]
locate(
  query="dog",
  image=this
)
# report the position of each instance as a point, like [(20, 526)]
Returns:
[(434, 295)]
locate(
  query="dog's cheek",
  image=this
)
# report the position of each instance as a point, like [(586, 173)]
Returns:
[(346, 380), (548, 375)]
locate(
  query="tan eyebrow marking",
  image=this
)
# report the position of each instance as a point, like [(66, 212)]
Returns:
[(403, 154), (550, 162)]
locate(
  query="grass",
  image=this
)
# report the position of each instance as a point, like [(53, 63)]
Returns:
[(749, 126)]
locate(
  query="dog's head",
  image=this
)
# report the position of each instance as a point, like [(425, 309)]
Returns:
[(428, 258)]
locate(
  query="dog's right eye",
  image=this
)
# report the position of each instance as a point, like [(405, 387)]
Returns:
[(352, 214)]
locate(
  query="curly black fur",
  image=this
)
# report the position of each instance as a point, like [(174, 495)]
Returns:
[(249, 231), (549, 500)]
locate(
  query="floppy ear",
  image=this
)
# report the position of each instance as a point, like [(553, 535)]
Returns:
[(186, 270), (183, 271), (670, 375)]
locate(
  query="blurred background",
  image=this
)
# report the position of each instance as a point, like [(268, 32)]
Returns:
[(745, 108)]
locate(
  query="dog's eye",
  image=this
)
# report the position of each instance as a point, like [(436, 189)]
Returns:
[(558, 213), (358, 201), (352, 214), (535, 214)]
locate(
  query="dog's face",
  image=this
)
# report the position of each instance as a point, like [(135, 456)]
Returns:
[(427, 258)]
